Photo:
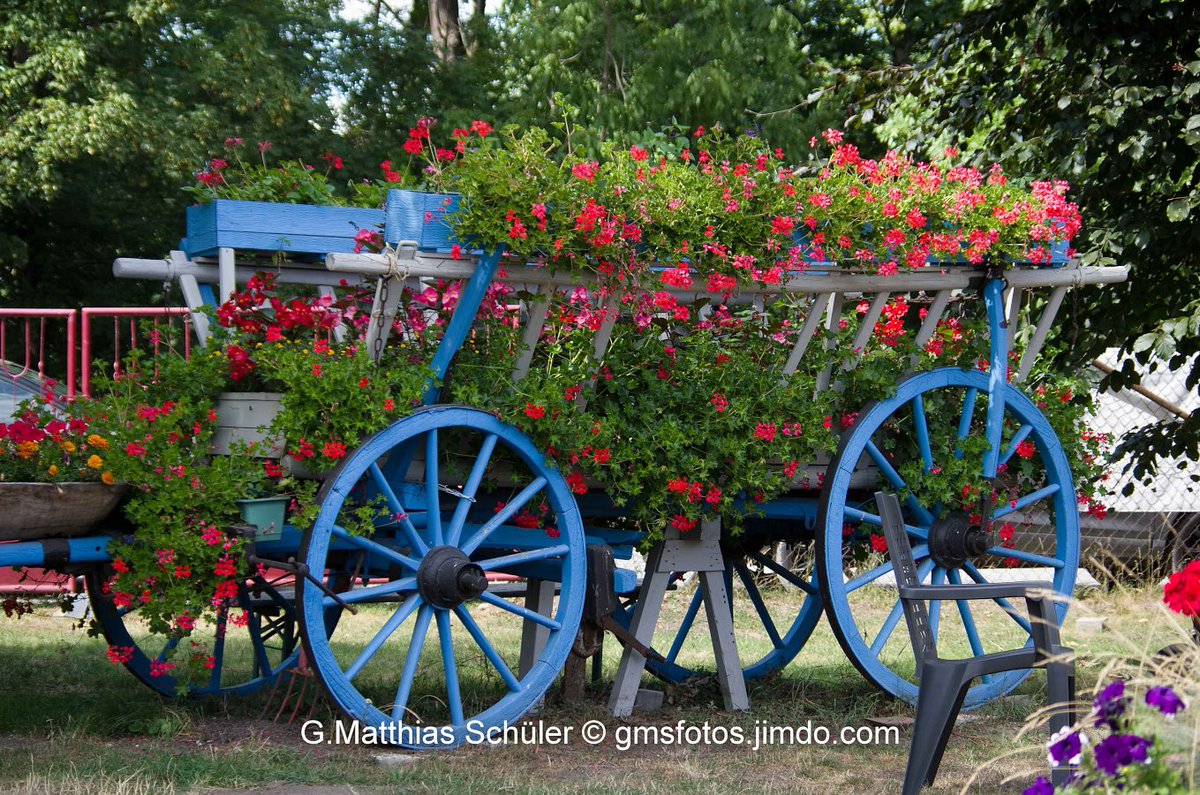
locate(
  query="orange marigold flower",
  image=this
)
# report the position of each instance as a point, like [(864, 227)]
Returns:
[(53, 470), (95, 462), (107, 479), (97, 441)]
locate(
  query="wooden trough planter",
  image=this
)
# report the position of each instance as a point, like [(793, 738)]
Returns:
[(31, 511), (271, 227)]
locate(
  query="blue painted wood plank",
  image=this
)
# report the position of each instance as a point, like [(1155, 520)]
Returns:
[(412, 215), (267, 226)]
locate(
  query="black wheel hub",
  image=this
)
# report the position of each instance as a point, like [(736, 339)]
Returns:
[(953, 540), (447, 577)]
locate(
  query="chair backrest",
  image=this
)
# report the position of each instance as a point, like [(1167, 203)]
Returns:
[(905, 569)]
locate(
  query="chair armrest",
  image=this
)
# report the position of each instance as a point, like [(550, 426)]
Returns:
[(989, 590)]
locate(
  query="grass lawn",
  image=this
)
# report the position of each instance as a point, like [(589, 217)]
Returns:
[(72, 722)]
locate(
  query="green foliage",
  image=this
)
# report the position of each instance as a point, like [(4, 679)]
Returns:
[(107, 105), (1103, 94)]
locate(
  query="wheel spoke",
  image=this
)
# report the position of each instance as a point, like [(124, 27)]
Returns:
[(453, 696), (433, 509), (409, 672), (1026, 501), (375, 547), (504, 514), (477, 635), (260, 650), (922, 429), (759, 606), (1005, 605), (968, 621), (1020, 436), (214, 679), (414, 538), (918, 552), (885, 632), (492, 564), (784, 572), (893, 477), (398, 617), (686, 626), (454, 534), (964, 419), (168, 647), (528, 615), (373, 592), (873, 519), (1027, 557)]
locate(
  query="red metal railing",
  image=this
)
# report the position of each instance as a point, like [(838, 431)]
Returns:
[(40, 333), (118, 315), (32, 355)]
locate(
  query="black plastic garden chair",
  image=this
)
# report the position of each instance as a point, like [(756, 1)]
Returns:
[(943, 683)]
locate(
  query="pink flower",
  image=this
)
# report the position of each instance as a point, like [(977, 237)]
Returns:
[(832, 136)]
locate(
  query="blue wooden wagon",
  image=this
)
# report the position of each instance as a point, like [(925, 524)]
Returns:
[(365, 609)]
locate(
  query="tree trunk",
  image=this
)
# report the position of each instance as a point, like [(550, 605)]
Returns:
[(444, 29)]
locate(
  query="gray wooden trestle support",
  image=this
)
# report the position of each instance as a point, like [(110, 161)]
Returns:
[(681, 554)]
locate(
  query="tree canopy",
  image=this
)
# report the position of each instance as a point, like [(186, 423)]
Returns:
[(108, 106)]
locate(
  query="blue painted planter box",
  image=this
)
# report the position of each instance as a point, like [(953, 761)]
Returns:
[(270, 227), (411, 215)]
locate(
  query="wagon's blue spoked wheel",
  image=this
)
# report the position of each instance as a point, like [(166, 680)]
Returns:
[(250, 643), (433, 651), (924, 444), (775, 603)]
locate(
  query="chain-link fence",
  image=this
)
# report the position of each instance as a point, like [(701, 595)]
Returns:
[(1157, 522)]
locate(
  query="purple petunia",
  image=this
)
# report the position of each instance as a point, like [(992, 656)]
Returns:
[(1040, 787), (1165, 700), (1121, 750), (1066, 747), (1110, 705)]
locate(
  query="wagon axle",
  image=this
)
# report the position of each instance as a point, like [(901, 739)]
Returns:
[(954, 539), (447, 578)]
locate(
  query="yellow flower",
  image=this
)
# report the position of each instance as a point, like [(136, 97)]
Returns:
[(68, 446), (95, 462), (108, 479), (97, 441), (53, 470)]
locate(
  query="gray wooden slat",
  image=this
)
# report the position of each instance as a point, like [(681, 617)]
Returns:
[(869, 320), (815, 311), (227, 274), (833, 316), (1013, 312), (532, 332), (1039, 333), (190, 288), (933, 314)]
